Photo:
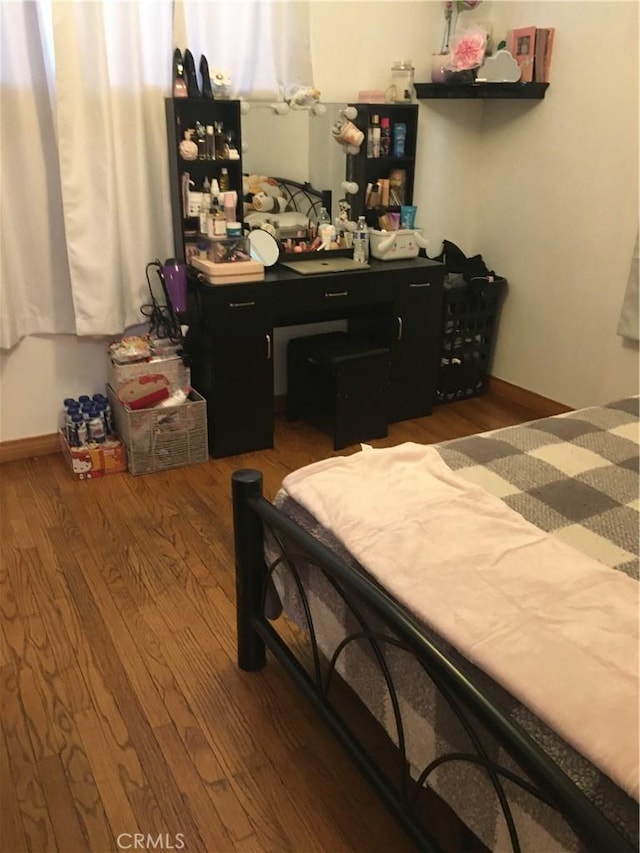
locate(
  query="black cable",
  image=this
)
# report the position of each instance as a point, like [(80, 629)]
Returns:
[(163, 320)]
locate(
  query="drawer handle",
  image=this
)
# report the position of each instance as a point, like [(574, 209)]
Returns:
[(241, 304), (268, 337), (329, 294), (423, 284), (399, 328)]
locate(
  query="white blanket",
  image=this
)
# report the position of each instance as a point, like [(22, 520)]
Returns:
[(554, 627)]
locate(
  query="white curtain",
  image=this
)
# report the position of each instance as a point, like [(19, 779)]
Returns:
[(85, 191)]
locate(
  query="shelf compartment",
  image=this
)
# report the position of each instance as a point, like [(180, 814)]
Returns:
[(486, 91)]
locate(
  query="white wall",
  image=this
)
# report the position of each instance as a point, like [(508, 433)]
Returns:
[(559, 214), (547, 192)]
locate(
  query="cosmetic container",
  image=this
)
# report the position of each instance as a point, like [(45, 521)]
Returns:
[(375, 137), (399, 139), (210, 144), (385, 136), (402, 88)]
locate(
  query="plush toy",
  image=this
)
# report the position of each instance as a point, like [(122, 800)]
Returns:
[(262, 194), (302, 97), (343, 223)]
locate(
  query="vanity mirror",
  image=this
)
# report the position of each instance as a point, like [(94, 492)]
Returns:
[(297, 146)]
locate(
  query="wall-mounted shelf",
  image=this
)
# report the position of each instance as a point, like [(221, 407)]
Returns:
[(513, 91)]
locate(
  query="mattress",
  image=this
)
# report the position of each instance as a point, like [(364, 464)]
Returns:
[(574, 476)]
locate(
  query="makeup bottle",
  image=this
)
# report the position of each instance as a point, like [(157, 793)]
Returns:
[(188, 148), (219, 222), (375, 137), (205, 206), (385, 136), (399, 139), (201, 140), (210, 144), (224, 180), (221, 148)]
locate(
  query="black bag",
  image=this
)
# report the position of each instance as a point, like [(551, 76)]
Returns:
[(456, 261)]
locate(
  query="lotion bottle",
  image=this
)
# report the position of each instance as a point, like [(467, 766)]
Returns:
[(375, 136)]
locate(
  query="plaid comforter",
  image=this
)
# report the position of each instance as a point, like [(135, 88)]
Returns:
[(573, 475)]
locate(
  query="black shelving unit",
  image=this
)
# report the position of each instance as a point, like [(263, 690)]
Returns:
[(485, 91), (365, 170), (182, 114)]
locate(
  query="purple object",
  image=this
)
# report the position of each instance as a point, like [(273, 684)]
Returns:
[(175, 278)]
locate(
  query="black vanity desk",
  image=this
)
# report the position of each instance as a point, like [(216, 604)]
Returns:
[(396, 303)]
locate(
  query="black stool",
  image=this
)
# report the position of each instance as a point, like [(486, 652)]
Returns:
[(340, 378)]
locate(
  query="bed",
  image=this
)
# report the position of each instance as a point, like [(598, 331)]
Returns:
[(462, 733)]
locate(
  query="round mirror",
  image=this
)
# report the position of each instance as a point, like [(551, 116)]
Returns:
[(264, 247)]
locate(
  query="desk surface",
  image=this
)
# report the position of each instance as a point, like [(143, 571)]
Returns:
[(280, 273)]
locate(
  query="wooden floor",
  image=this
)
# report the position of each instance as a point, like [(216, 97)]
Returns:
[(122, 709)]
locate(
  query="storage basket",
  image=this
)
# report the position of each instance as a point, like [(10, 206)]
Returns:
[(163, 437), (173, 367), (469, 323)]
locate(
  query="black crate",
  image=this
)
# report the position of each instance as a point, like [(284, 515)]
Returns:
[(470, 315)]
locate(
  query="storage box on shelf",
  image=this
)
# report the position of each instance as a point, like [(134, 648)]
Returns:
[(470, 316), (163, 437)]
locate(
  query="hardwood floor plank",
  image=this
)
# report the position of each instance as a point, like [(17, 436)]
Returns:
[(194, 793), (130, 704), (11, 834), (195, 744), (112, 775), (107, 615), (64, 817), (34, 813)]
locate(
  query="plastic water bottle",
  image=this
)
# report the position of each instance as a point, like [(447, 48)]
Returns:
[(78, 434), (71, 407), (361, 242), (96, 427), (104, 410), (323, 217)]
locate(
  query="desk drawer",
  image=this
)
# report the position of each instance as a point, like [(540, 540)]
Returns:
[(224, 308), (418, 286), (331, 295)]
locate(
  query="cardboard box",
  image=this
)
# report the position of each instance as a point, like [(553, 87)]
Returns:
[(173, 367), (94, 460)]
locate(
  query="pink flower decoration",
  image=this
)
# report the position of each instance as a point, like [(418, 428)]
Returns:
[(468, 50)]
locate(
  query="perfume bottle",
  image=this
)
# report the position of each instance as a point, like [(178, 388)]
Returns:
[(201, 141), (210, 144), (222, 149)]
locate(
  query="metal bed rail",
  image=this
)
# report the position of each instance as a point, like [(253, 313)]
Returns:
[(541, 778)]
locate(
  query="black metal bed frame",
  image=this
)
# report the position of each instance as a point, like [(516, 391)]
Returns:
[(304, 198), (253, 514)]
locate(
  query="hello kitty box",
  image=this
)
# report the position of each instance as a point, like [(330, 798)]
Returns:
[(95, 460)]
